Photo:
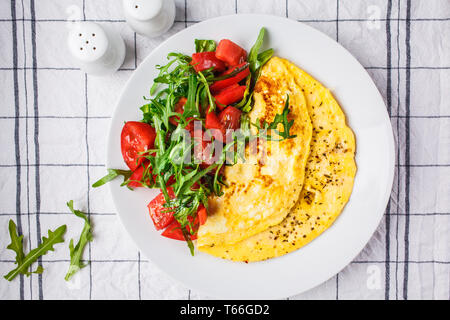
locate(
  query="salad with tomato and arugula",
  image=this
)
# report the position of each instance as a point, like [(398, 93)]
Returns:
[(196, 101)]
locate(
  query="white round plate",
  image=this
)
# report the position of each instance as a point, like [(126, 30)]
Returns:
[(313, 264)]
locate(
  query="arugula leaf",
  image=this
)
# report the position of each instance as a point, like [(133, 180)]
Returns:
[(194, 178), (282, 118), (256, 62), (218, 182), (248, 106), (253, 54), (188, 240), (164, 74), (39, 270), (190, 108), (211, 100), (204, 45), (76, 252), (112, 174), (46, 245), (247, 94), (263, 57), (16, 244)]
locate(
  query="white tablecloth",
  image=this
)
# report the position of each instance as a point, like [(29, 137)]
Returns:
[(54, 120)]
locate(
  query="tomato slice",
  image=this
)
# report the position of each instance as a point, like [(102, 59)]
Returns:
[(202, 214), (199, 145), (230, 52), (171, 181), (136, 138), (202, 151), (212, 122), (230, 118), (173, 231), (137, 174), (205, 60), (161, 215), (232, 94), (222, 84), (179, 108), (209, 157)]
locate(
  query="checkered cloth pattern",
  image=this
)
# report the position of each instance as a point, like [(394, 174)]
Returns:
[(54, 120)]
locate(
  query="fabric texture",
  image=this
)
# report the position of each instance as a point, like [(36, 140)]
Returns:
[(54, 120)]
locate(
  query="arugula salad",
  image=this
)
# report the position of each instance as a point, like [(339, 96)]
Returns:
[(193, 119)]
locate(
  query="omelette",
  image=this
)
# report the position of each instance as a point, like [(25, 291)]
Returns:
[(329, 174), (262, 190)]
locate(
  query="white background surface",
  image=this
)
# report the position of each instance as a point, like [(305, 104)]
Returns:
[(405, 50)]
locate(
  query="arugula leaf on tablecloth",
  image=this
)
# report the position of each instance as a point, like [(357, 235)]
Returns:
[(25, 261), (76, 252)]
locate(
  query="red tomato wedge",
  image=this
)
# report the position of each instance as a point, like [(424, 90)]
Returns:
[(202, 214), (136, 176), (136, 138), (161, 215), (179, 108), (230, 118), (205, 60), (173, 231), (212, 122), (232, 94), (208, 158), (222, 84), (171, 181), (230, 52), (199, 146), (202, 152)]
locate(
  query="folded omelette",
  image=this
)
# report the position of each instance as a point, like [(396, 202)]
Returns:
[(261, 191), (263, 224)]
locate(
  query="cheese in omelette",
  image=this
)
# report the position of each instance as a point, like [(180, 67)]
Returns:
[(329, 174), (261, 191)]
